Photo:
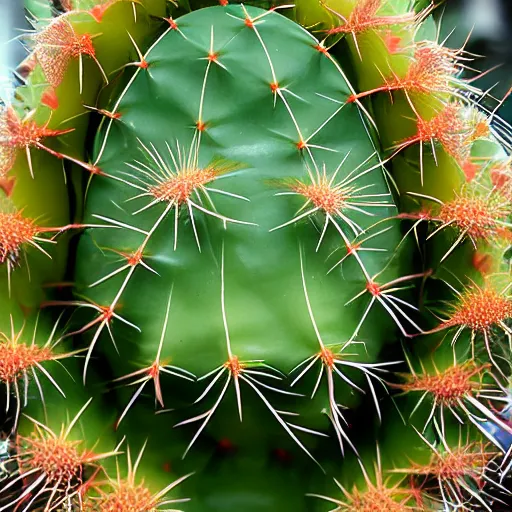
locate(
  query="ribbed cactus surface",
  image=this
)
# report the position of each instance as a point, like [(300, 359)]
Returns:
[(253, 257)]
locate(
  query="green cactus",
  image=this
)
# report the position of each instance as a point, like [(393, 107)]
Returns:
[(252, 258)]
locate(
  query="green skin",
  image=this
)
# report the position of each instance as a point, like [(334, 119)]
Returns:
[(271, 322), (266, 310)]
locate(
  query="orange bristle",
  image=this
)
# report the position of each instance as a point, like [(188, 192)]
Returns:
[(179, 188)]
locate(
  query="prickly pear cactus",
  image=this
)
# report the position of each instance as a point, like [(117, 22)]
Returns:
[(253, 257)]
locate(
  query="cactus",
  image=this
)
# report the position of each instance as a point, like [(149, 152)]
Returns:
[(253, 257)]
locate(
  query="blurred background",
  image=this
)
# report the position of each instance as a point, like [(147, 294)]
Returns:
[(490, 24), (488, 21)]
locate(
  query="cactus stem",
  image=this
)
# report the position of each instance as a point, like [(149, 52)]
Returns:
[(98, 10), (329, 361), (122, 95), (353, 92), (152, 373), (103, 320), (107, 312), (334, 114), (246, 371), (339, 208), (239, 370), (251, 23)]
